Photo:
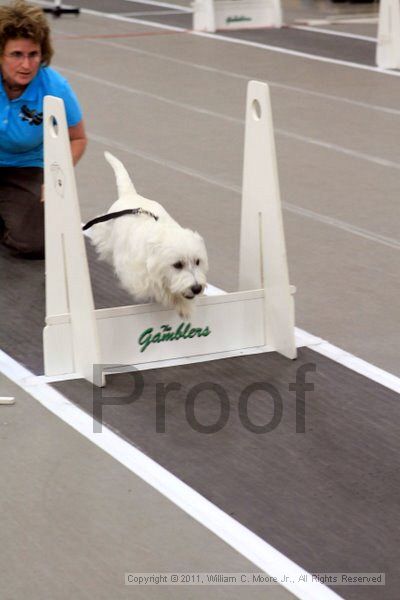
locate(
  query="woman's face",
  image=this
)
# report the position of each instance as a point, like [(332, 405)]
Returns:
[(20, 62)]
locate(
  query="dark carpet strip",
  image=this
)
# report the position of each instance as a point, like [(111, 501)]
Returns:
[(22, 303), (311, 42), (327, 498)]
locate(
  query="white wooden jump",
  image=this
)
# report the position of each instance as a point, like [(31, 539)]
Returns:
[(259, 317), (213, 15)]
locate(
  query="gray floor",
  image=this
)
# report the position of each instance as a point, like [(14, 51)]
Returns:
[(74, 521)]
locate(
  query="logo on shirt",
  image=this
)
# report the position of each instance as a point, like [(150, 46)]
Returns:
[(32, 116)]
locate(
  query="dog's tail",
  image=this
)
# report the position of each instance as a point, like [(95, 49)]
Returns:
[(124, 182)]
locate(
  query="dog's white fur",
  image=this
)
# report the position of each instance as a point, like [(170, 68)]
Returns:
[(144, 251)]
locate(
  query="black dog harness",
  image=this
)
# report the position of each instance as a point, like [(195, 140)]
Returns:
[(120, 213)]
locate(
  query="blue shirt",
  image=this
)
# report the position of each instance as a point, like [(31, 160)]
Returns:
[(21, 119)]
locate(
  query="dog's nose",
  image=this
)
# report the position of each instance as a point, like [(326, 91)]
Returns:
[(197, 288)]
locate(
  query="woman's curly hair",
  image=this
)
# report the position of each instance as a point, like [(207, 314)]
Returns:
[(19, 19)]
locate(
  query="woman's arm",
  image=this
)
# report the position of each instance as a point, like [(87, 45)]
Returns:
[(78, 141)]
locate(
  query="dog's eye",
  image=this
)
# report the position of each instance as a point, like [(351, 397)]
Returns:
[(198, 262), (178, 265)]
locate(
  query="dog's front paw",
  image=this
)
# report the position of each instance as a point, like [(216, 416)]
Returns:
[(184, 310)]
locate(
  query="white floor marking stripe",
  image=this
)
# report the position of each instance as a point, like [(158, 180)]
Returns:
[(259, 552), (279, 50), (326, 220), (341, 356), (353, 36), (204, 111), (162, 5), (341, 149), (164, 162), (288, 134), (154, 13), (338, 20), (232, 74), (116, 17), (359, 365), (353, 229), (372, 20), (230, 40), (323, 96), (138, 92)]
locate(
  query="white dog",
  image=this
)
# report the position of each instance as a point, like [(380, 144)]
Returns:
[(154, 257)]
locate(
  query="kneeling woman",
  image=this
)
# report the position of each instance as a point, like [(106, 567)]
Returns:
[(26, 78)]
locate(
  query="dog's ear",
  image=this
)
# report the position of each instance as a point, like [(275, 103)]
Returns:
[(198, 237), (201, 241), (202, 250)]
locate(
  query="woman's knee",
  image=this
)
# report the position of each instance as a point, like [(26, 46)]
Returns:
[(25, 237)]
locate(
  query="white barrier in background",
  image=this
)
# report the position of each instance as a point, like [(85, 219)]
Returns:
[(388, 45), (213, 15), (77, 336)]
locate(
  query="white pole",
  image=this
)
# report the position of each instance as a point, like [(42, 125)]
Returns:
[(7, 400), (263, 262), (68, 286)]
